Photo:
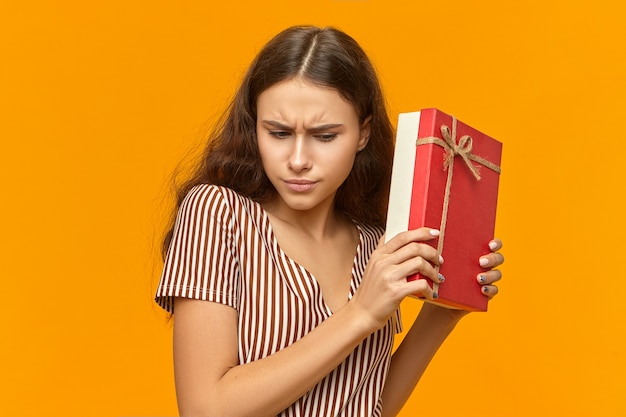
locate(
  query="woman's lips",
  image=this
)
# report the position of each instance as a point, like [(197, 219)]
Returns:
[(300, 186)]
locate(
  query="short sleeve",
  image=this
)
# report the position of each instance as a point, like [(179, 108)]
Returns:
[(201, 261)]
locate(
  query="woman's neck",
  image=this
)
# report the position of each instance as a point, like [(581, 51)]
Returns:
[(319, 223)]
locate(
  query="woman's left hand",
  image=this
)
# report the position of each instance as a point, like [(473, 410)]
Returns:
[(486, 279), (491, 275)]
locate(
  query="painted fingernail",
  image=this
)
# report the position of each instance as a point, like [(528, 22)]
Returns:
[(493, 245), (482, 279), (441, 278), (434, 232), (435, 296), (486, 290), (484, 261), (440, 259)]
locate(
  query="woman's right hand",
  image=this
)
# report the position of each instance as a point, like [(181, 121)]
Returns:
[(384, 283)]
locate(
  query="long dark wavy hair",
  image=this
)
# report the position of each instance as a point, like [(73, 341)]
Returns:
[(321, 56)]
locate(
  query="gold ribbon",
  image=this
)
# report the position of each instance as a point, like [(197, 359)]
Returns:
[(464, 149)]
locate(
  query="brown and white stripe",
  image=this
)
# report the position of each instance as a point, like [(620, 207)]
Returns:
[(223, 250)]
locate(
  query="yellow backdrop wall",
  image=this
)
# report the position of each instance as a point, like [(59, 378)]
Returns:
[(100, 100)]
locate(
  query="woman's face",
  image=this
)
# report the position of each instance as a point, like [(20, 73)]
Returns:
[(308, 137)]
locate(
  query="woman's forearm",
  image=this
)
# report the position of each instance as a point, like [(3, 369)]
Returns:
[(428, 332), (266, 386)]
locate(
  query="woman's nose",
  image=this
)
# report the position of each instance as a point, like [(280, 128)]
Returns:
[(299, 158)]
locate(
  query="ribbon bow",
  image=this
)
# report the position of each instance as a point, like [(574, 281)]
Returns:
[(463, 148)]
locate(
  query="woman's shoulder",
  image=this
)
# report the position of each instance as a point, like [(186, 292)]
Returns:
[(370, 232), (214, 192), (220, 200)]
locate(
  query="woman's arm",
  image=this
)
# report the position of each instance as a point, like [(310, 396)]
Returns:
[(430, 329), (209, 381), (409, 361)]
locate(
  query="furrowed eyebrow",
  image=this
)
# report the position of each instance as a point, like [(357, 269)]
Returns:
[(328, 126), (277, 125), (314, 129)]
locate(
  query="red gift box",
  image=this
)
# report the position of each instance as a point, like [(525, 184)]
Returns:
[(445, 176)]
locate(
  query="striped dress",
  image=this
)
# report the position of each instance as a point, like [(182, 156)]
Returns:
[(223, 250)]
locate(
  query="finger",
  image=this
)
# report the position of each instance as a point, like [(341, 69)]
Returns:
[(491, 260), (417, 249), (422, 234), (489, 290), (489, 277), (495, 245), (420, 288), (412, 258), (419, 258), (418, 265)]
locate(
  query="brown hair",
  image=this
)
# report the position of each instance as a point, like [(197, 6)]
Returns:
[(322, 56)]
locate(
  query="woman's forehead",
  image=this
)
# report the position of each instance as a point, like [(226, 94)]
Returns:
[(296, 100)]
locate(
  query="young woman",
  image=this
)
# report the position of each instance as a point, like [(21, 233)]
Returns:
[(286, 298)]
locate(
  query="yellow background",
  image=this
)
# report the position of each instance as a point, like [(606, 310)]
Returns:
[(100, 100)]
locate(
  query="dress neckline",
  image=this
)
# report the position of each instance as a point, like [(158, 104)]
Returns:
[(312, 279)]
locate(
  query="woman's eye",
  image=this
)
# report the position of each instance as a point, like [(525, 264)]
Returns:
[(325, 137), (279, 134)]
